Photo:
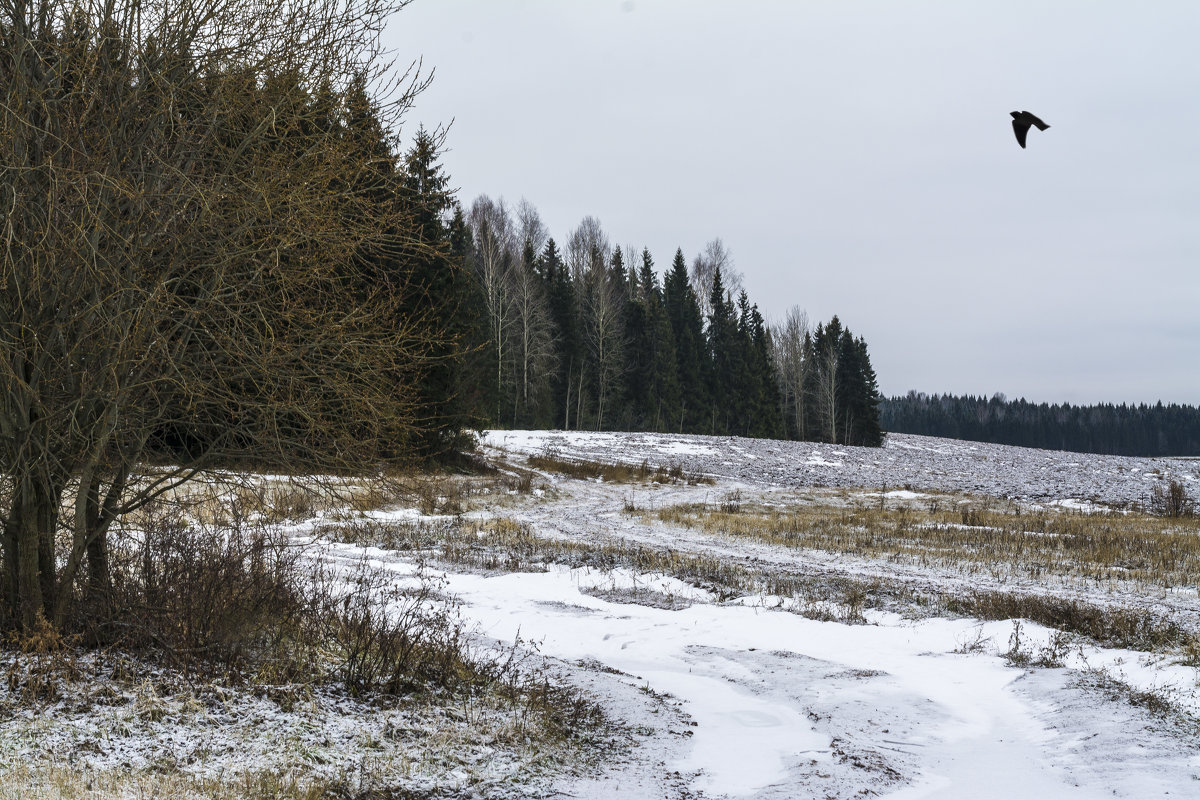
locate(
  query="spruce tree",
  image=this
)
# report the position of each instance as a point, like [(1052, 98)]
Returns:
[(687, 329), (745, 380), (568, 343), (638, 354), (661, 404), (473, 379), (813, 409), (867, 400), (442, 287), (767, 410), (722, 347)]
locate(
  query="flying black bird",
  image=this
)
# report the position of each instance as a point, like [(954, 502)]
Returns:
[(1021, 122)]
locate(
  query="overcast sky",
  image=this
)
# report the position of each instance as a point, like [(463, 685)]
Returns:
[(858, 158)]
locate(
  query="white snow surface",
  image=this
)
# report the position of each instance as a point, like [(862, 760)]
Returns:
[(780, 706), (739, 698), (919, 462)]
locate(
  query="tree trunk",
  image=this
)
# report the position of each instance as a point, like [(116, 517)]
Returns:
[(32, 524), (579, 400), (567, 403), (10, 571)]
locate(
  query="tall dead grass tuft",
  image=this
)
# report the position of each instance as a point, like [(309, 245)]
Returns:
[(616, 472), (1129, 628), (48, 659)]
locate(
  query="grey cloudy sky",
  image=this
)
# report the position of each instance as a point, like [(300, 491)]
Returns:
[(858, 159)]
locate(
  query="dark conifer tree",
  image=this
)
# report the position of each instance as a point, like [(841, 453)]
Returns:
[(568, 344), (870, 432), (859, 394), (821, 384), (687, 328), (617, 275), (744, 380), (639, 354), (474, 379), (417, 258), (767, 411), (441, 286), (723, 355), (661, 406)]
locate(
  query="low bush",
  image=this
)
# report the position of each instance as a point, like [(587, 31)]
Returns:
[(398, 641), (246, 602), (205, 597), (1172, 500)]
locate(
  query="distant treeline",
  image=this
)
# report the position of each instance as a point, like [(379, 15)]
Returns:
[(1126, 430)]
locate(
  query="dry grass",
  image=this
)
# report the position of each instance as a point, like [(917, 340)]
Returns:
[(231, 500), (1112, 626), (973, 538), (234, 499), (51, 782), (615, 472), (503, 545), (976, 538), (238, 612)]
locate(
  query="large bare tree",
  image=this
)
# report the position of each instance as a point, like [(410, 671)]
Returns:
[(828, 395), (185, 246), (716, 256), (534, 331), (599, 299), (792, 370), (496, 259)]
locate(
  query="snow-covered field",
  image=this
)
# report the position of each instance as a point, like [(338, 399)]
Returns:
[(919, 462), (764, 703), (723, 691)]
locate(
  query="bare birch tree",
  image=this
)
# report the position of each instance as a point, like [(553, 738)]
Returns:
[(828, 391), (533, 331), (588, 253), (534, 344), (603, 334), (791, 369), (495, 249), (587, 246), (715, 256), (532, 233)]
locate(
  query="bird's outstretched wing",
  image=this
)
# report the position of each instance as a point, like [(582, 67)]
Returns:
[(1030, 119), (1020, 128)]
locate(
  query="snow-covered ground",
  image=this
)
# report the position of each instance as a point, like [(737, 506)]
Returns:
[(762, 703), (920, 462), (721, 694)]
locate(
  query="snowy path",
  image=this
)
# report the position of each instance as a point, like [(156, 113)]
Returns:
[(783, 705), (743, 700)]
